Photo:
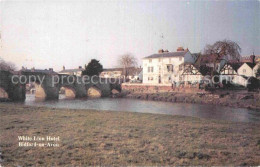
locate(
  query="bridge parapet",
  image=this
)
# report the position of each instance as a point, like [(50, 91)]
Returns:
[(48, 85)]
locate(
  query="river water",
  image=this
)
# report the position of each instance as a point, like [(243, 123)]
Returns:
[(143, 106)]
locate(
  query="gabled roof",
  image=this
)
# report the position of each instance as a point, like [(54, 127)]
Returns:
[(235, 66), (251, 65), (167, 54)]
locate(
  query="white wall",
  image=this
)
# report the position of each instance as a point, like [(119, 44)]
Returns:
[(245, 70), (160, 69)]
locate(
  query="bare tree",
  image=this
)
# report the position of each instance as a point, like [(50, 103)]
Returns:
[(127, 61), (7, 66), (223, 50)]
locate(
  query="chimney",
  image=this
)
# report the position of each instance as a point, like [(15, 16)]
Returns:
[(252, 58), (63, 67), (187, 49), (33, 69), (166, 50), (180, 49), (160, 51), (80, 67)]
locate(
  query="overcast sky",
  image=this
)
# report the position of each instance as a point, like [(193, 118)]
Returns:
[(48, 34)]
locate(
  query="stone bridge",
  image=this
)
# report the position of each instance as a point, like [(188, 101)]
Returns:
[(49, 86)]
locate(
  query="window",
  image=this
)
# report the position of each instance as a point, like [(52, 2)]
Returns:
[(244, 70), (180, 58), (150, 69), (169, 68), (150, 60), (180, 67)]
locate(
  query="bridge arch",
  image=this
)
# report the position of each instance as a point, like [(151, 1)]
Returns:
[(3, 93), (40, 91), (94, 91), (68, 91)]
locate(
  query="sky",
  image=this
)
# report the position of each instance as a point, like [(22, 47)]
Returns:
[(51, 34)]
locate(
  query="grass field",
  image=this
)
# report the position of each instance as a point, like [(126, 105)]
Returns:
[(89, 137)]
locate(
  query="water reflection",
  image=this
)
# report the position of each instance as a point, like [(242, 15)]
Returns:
[(143, 106)]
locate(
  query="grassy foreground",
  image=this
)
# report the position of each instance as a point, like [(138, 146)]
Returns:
[(89, 137)]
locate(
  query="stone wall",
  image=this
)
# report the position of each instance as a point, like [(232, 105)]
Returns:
[(145, 88)]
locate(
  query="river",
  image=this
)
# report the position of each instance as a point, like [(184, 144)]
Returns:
[(143, 106)]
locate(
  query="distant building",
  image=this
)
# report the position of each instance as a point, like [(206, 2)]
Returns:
[(76, 71), (247, 69), (133, 73), (33, 70), (164, 67), (230, 69), (112, 73), (190, 73), (248, 59)]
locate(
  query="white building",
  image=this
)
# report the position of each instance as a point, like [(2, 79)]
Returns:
[(76, 71), (164, 67), (190, 73), (112, 73), (247, 70)]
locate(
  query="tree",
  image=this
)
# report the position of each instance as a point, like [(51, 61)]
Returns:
[(127, 61), (222, 50), (258, 71), (93, 68), (7, 66)]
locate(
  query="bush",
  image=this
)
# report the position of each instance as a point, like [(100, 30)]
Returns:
[(253, 84)]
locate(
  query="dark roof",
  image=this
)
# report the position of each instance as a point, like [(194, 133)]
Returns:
[(113, 69), (251, 65), (38, 71), (167, 54), (72, 70), (235, 66)]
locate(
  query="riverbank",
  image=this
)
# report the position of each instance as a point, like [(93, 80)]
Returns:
[(90, 137), (237, 99)]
